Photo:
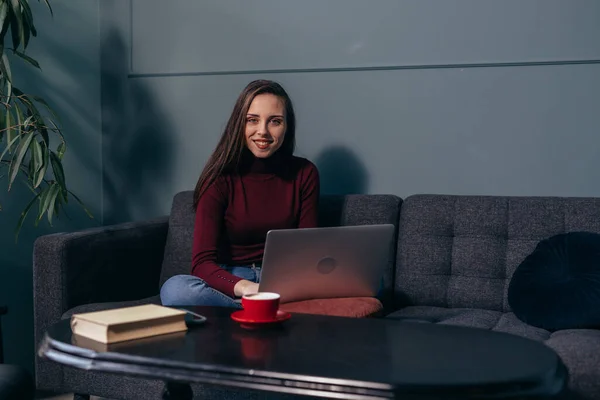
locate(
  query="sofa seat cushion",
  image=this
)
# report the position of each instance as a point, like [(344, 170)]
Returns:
[(452, 316), (109, 305), (471, 317), (579, 350), (357, 307)]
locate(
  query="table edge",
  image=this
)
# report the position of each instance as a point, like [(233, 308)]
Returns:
[(149, 368)]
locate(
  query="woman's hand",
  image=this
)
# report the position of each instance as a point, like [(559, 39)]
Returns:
[(245, 287)]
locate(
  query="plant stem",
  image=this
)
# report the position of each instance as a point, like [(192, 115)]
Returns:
[(37, 126)]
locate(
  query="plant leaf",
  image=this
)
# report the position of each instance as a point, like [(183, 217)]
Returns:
[(28, 19), (44, 201), (49, 6), (52, 197), (3, 14), (30, 166), (9, 130), (58, 204), (62, 198), (41, 173), (5, 68), (18, 158), (27, 122), (28, 102), (24, 215), (9, 88), (18, 29), (2, 124), (37, 119), (59, 174), (19, 124), (19, 119), (43, 193), (14, 28), (25, 57), (8, 146), (36, 156), (62, 147), (26, 34)]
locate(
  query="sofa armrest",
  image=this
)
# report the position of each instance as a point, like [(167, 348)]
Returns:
[(112, 263)]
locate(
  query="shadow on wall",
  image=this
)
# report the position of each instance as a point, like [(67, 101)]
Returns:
[(341, 172), (137, 151)]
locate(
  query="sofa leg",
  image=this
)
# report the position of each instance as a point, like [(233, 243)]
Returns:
[(79, 396)]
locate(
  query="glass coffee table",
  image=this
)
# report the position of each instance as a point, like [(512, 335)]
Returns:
[(328, 357)]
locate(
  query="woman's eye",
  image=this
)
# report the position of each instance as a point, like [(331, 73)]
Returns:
[(252, 120), (276, 122)]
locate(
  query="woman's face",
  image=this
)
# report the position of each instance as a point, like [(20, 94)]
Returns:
[(265, 125)]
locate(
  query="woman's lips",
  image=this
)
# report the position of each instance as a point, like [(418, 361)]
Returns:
[(262, 144)]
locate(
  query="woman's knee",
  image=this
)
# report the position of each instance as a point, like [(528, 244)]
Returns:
[(178, 288), (188, 290)]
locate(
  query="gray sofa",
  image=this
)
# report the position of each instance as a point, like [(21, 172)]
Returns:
[(456, 255), (453, 263)]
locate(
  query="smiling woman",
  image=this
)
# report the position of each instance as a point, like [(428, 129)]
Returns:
[(252, 183)]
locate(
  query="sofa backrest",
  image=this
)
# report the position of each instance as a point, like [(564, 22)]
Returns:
[(460, 251), (333, 211)]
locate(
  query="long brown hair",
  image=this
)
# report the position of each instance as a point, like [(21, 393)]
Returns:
[(227, 154)]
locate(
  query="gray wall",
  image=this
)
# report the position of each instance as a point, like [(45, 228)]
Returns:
[(403, 97), (67, 48)]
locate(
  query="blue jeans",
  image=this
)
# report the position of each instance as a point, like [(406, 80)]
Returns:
[(189, 290)]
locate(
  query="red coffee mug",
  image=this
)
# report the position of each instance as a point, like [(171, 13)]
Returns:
[(262, 306)]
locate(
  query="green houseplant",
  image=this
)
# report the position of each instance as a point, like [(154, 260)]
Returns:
[(32, 144)]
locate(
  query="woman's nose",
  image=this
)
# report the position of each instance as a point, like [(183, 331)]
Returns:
[(262, 128)]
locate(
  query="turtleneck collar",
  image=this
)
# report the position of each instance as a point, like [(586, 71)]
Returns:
[(255, 165)]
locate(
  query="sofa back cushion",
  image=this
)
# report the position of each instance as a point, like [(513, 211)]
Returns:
[(338, 210), (178, 248), (461, 251)]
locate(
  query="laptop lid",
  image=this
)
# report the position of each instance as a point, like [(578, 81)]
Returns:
[(317, 263)]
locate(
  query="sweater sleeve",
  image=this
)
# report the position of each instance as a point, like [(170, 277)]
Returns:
[(207, 230), (309, 197)]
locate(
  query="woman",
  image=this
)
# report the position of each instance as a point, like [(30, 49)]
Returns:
[(252, 183)]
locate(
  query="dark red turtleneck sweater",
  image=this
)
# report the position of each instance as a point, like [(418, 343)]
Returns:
[(236, 212)]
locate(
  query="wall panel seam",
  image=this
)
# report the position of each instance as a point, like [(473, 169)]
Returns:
[(368, 68)]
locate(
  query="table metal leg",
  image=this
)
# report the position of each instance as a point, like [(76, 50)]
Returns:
[(177, 391)]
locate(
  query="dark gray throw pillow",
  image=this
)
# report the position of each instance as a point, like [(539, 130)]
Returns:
[(558, 285)]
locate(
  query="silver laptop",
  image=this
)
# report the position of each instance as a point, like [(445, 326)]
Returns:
[(317, 263)]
